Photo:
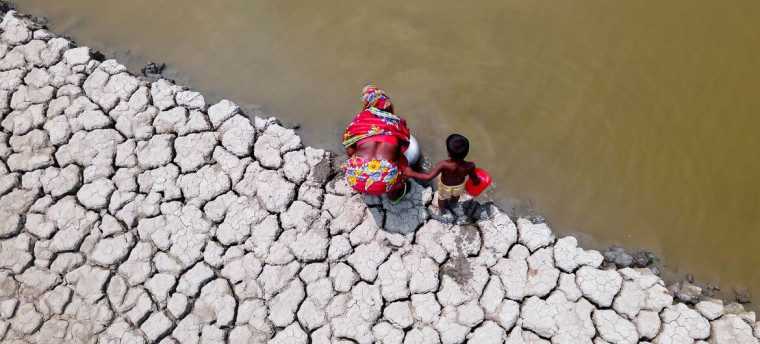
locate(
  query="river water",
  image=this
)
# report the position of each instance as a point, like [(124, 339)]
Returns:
[(633, 122)]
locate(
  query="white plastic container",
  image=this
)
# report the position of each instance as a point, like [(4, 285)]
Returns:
[(412, 153)]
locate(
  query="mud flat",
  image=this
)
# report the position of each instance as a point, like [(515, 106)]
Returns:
[(133, 212)]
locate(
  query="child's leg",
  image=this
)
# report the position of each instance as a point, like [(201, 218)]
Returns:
[(442, 204), (451, 203), (454, 199), (443, 199)]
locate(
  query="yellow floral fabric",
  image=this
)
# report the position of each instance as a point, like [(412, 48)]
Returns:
[(371, 176)]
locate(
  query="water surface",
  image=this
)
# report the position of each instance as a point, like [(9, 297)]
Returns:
[(633, 121)]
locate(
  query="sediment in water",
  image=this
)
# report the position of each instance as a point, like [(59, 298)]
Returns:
[(132, 211)]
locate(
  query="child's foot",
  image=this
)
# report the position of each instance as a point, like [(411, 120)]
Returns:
[(448, 217), (435, 209), (443, 215)]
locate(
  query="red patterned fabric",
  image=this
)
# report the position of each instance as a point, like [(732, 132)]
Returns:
[(375, 97), (374, 176), (374, 122)]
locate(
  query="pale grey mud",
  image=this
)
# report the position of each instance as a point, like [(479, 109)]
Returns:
[(135, 212), (630, 122)]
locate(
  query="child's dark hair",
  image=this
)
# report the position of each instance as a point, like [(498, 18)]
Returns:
[(458, 146)]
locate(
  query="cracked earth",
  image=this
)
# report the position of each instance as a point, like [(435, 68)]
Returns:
[(133, 212)]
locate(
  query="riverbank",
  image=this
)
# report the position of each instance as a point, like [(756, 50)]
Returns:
[(133, 211), (587, 170)]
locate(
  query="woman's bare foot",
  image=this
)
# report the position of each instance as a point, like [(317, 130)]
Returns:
[(398, 194)]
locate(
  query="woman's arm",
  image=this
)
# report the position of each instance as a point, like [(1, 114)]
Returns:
[(350, 150), (424, 176)]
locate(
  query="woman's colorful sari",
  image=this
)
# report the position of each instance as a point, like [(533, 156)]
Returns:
[(373, 122), (374, 176)]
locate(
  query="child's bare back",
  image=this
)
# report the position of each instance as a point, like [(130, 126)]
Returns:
[(454, 171)]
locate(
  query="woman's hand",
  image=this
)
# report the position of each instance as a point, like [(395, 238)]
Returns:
[(424, 176)]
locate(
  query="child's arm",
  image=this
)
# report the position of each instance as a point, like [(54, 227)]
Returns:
[(473, 176), (424, 176)]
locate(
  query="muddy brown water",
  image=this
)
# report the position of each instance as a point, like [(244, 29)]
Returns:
[(633, 122)]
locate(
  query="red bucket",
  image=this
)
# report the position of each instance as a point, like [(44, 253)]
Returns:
[(485, 182)]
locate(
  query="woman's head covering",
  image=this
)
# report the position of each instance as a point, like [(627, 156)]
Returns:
[(376, 119), (373, 97)]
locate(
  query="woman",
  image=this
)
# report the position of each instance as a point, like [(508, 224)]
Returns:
[(375, 143)]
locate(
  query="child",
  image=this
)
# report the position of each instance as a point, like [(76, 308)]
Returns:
[(454, 171)]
